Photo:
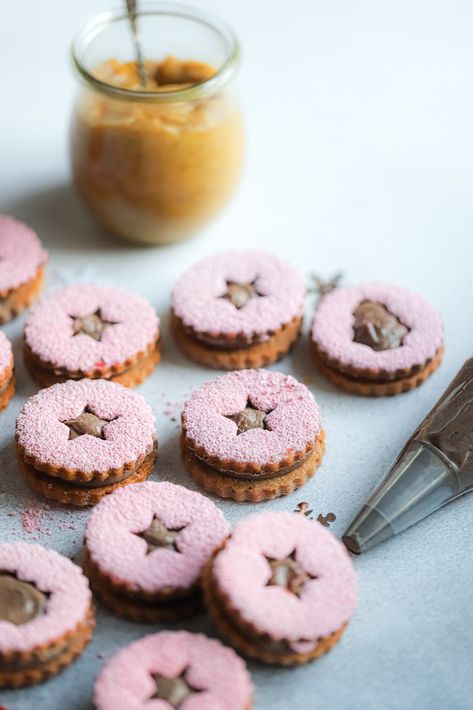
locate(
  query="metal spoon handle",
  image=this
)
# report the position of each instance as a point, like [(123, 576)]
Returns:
[(132, 13)]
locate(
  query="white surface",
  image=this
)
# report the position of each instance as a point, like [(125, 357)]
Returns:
[(360, 152)]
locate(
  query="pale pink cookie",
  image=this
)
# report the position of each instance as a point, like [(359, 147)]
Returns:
[(22, 260), (174, 669), (238, 309), (282, 588), (146, 546), (377, 339), (46, 614), (92, 331), (79, 440), (7, 379), (252, 434)]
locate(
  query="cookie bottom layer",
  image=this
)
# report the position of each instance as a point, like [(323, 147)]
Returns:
[(143, 611), (20, 298), (7, 393), (59, 655), (253, 648), (130, 377), (59, 490), (373, 388), (253, 356), (247, 490)]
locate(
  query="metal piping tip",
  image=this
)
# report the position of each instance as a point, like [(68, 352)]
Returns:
[(419, 482), (369, 529)]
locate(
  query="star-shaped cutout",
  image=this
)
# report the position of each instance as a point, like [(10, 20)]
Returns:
[(160, 536), (288, 574), (239, 294), (249, 418), (92, 325), (87, 423), (173, 690)]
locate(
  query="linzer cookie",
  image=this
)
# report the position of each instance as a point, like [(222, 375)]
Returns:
[(94, 332), (174, 669), (375, 339), (145, 549), (252, 435), (238, 309), (7, 378), (281, 589), (22, 260), (46, 613), (79, 441)]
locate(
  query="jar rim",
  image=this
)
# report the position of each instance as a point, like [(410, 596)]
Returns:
[(198, 90)]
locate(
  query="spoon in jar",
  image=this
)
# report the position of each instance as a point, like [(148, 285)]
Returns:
[(140, 67)]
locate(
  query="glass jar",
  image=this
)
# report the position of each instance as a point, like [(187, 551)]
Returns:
[(156, 164)]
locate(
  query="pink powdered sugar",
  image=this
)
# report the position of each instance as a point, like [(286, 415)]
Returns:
[(197, 297), (115, 548), (21, 253), (6, 353), (39, 427), (50, 335), (332, 328), (242, 573), (67, 604), (126, 682), (293, 423)]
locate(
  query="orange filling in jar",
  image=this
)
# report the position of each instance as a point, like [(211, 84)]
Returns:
[(156, 171)]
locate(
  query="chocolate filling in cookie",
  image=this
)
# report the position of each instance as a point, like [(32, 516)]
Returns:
[(92, 325), (377, 327), (239, 294), (289, 574), (20, 602), (87, 423), (159, 536), (249, 418), (173, 690)]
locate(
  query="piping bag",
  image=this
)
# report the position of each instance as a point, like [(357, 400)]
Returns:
[(434, 467)]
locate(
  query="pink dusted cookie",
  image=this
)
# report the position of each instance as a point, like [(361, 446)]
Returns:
[(79, 441), (46, 613), (238, 309), (92, 331), (174, 669), (22, 260), (282, 589), (7, 378), (375, 339), (146, 546), (252, 435)]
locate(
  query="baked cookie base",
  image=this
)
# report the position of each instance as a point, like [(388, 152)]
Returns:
[(372, 388), (16, 300), (7, 394), (253, 356), (248, 646), (61, 491), (68, 649), (129, 377), (147, 612), (255, 491)]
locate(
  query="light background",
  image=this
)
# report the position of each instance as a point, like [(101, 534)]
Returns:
[(359, 118)]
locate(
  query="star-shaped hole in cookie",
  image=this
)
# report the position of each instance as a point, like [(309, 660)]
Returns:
[(87, 423), (240, 293), (249, 418), (92, 325), (289, 574), (159, 536), (173, 690)]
